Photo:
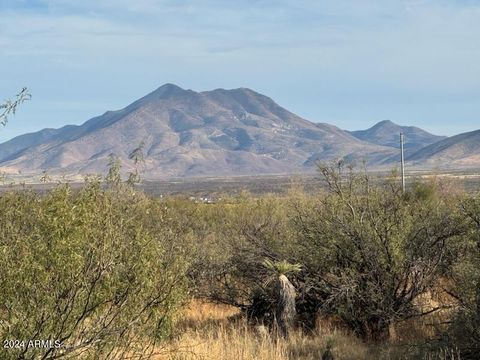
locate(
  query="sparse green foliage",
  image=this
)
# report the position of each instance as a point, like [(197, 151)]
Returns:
[(102, 272), (464, 331), (114, 174), (373, 250), (9, 107), (45, 177), (137, 154), (281, 267), (113, 178), (138, 159)]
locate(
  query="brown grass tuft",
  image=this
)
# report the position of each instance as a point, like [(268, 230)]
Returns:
[(217, 332)]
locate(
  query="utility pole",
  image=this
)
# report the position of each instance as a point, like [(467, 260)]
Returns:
[(402, 162)]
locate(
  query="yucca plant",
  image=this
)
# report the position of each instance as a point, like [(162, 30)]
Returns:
[(284, 293)]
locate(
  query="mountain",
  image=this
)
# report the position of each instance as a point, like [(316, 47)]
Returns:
[(462, 150), (12, 147), (188, 133), (386, 133)]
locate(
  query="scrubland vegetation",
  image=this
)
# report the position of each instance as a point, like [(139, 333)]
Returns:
[(374, 273)]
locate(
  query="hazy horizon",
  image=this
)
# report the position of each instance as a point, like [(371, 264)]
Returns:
[(351, 64)]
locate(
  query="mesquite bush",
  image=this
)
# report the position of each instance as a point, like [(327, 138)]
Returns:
[(369, 251), (100, 272)]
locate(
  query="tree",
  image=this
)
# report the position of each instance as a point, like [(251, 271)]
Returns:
[(113, 178), (464, 332), (369, 251), (101, 272), (138, 158), (10, 106)]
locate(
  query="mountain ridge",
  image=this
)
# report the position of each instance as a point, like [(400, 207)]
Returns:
[(386, 133), (459, 150), (187, 133)]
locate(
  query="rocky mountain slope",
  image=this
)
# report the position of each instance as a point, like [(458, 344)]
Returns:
[(462, 150), (188, 133), (216, 133), (386, 133)]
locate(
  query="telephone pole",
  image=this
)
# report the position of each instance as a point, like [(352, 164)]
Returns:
[(402, 162)]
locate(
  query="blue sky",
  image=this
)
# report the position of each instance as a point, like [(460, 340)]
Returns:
[(351, 63)]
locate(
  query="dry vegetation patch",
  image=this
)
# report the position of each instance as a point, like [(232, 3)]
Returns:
[(215, 331), (211, 331)]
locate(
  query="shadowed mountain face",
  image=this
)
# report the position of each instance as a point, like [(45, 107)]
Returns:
[(187, 133), (386, 133), (462, 150)]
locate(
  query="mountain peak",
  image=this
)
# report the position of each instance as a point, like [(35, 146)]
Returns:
[(241, 90), (386, 133), (168, 89), (165, 91), (385, 123), (188, 133), (216, 133)]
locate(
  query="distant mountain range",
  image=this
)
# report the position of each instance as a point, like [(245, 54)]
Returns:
[(386, 133), (458, 151), (220, 133)]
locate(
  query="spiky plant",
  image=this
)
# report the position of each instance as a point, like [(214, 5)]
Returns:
[(284, 293), (281, 267)]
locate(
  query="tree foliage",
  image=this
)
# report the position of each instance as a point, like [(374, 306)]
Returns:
[(464, 332), (370, 252), (9, 107), (102, 272)]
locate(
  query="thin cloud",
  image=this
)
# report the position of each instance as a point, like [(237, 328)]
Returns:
[(383, 54)]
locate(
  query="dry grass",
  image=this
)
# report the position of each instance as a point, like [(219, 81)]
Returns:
[(217, 332), (239, 341)]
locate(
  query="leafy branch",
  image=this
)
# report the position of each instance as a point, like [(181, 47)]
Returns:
[(9, 107)]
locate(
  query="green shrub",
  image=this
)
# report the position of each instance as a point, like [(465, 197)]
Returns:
[(369, 251), (102, 272), (464, 331)]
